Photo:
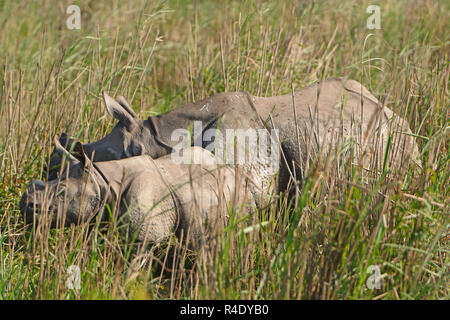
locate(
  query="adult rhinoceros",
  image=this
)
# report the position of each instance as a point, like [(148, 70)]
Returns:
[(309, 121)]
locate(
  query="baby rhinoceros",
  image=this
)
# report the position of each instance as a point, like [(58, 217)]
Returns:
[(156, 198)]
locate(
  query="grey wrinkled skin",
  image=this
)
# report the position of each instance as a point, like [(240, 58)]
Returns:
[(327, 112), (156, 197)]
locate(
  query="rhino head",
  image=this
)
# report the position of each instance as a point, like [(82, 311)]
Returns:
[(131, 136), (74, 197)]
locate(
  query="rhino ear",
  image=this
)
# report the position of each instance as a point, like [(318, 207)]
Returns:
[(76, 155), (124, 103), (63, 139), (79, 154), (63, 152), (117, 111)]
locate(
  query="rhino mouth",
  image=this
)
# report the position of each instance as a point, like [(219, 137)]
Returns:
[(33, 209)]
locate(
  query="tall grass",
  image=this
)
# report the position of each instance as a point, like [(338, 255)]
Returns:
[(163, 54)]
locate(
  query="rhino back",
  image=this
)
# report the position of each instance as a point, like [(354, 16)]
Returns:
[(223, 111), (331, 111)]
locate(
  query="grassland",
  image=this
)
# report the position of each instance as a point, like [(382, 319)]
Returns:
[(161, 54)]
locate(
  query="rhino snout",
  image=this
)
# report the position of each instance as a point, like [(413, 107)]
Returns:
[(31, 200)]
